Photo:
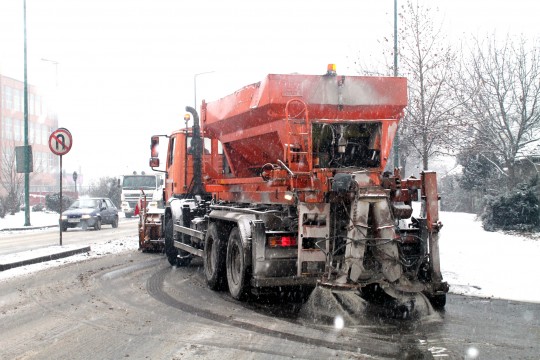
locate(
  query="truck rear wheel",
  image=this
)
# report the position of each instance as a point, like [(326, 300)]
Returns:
[(214, 259), (237, 271), (438, 301)]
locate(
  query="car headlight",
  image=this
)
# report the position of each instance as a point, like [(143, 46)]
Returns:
[(85, 217), (63, 217)]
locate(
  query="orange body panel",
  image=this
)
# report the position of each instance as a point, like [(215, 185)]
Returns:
[(252, 125)]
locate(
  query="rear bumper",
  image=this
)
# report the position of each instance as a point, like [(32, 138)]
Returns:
[(280, 272), (261, 282)]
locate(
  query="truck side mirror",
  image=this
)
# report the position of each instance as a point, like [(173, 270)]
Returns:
[(154, 153), (154, 163)]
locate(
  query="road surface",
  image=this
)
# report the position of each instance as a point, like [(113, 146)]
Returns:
[(134, 305)]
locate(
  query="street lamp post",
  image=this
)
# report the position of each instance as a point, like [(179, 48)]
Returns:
[(75, 182), (195, 86), (26, 155)]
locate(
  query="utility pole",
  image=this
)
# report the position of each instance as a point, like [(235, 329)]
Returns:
[(26, 152), (396, 138)]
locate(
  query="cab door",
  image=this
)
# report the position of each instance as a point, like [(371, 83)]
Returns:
[(177, 179)]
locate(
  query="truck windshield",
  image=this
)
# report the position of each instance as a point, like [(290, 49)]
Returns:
[(139, 182)]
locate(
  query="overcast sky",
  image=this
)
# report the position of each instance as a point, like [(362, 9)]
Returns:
[(126, 68)]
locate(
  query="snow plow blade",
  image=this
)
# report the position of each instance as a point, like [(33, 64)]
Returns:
[(327, 306), (349, 307)]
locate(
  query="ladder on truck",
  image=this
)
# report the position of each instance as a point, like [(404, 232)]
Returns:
[(314, 221), (298, 148)]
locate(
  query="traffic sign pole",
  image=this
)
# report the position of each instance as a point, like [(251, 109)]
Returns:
[(60, 143), (61, 203)]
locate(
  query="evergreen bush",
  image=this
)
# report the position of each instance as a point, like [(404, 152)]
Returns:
[(517, 210)]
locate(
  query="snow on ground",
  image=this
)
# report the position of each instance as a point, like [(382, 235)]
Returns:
[(473, 261), (37, 218)]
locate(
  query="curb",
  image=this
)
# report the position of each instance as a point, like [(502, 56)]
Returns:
[(39, 259), (28, 228)]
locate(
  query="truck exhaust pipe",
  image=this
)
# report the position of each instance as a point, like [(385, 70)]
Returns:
[(197, 146)]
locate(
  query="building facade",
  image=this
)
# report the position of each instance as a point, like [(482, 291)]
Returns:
[(41, 123)]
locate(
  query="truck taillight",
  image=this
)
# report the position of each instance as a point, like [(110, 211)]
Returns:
[(282, 241)]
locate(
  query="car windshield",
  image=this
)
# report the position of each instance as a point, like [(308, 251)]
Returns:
[(84, 203)]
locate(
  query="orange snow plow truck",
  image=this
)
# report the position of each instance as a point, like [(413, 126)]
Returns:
[(282, 183)]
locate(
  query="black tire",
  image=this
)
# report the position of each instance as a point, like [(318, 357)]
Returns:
[(63, 228), (438, 301), (214, 259), (115, 222), (97, 225), (170, 250), (237, 271)]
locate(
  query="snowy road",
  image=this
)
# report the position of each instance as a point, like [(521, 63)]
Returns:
[(135, 305)]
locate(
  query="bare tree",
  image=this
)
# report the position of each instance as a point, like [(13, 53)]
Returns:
[(500, 89), (11, 181), (427, 60)]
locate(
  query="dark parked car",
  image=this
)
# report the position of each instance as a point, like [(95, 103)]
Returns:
[(90, 212)]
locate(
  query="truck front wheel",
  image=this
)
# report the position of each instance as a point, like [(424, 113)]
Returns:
[(214, 259), (170, 250), (237, 271)]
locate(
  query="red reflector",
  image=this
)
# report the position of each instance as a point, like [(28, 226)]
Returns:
[(282, 241)]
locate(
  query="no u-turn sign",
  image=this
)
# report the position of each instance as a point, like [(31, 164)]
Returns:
[(60, 141)]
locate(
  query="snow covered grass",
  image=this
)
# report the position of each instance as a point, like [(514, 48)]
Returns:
[(488, 264), (37, 219), (473, 261)]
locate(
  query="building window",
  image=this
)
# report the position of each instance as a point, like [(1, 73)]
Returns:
[(31, 128), (8, 129), (16, 129), (31, 108), (38, 105), (16, 100), (8, 97), (44, 134), (51, 162)]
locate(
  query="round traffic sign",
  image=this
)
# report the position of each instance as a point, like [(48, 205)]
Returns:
[(60, 141)]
